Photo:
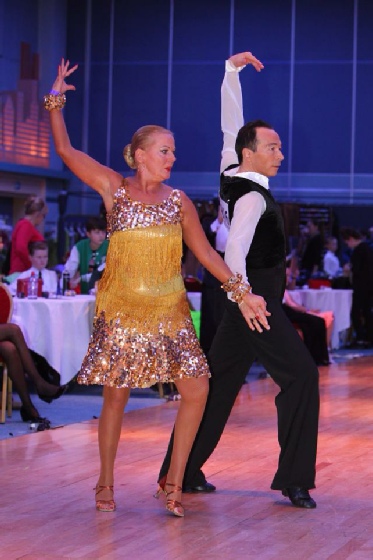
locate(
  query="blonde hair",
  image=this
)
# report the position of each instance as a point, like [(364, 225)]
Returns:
[(141, 139)]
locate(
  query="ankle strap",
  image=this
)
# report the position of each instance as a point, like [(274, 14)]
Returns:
[(175, 488), (100, 488)]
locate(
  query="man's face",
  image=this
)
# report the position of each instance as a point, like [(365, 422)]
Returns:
[(96, 237), (268, 156), (39, 259)]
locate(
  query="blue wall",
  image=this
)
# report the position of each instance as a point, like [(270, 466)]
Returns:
[(147, 61)]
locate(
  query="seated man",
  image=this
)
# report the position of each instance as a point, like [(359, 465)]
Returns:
[(38, 253), (88, 255)]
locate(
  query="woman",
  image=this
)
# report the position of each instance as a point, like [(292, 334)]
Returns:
[(16, 355), (143, 332), (24, 232)]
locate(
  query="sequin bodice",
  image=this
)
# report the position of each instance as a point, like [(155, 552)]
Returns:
[(129, 214)]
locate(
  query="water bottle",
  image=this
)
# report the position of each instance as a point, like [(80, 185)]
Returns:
[(65, 282), (32, 292)]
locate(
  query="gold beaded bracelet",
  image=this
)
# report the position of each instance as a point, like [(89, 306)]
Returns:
[(54, 101), (237, 288)]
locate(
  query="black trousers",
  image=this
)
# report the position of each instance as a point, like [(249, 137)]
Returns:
[(362, 315), (287, 360)]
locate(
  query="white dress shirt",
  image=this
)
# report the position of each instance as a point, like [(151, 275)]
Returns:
[(250, 207), (331, 264), (49, 278), (221, 238)]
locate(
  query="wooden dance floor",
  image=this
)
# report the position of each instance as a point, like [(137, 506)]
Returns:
[(47, 501)]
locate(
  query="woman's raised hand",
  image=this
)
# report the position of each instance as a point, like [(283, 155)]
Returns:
[(63, 72), (244, 58)]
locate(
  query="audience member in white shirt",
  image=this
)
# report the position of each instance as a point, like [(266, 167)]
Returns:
[(38, 252), (331, 264)]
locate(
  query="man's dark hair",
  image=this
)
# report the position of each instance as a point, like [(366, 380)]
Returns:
[(96, 222), (348, 233), (37, 246), (246, 137)]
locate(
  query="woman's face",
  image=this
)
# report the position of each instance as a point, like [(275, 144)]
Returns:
[(40, 215), (157, 157)]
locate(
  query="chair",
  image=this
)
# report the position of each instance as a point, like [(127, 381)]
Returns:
[(6, 310)]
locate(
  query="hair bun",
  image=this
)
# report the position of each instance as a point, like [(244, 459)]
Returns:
[(128, 158)]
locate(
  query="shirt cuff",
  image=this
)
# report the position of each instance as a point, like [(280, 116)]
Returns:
[(230, 67)]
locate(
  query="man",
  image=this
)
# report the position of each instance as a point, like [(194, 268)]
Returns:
[(362, 286), (256, 249), (312, 256)]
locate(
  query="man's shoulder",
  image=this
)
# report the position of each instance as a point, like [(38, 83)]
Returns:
[(236, 187)]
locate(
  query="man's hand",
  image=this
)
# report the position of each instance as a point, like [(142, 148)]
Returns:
[(254, 309), (244, 58)]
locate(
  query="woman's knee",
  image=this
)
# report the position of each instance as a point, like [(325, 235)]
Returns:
[(194, 390), (116, 397), (8, 351)]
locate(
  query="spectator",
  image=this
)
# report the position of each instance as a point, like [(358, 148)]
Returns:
[(16, 355), (316, 326), (362, 286), (331, 264), (38, 253), (312, 256), (88, 255), (213, 297), (26, 231)]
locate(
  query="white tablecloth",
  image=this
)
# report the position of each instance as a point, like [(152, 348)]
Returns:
[(58, 329), (338, 301)]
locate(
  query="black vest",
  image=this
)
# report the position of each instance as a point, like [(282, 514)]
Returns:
[(268, 247)]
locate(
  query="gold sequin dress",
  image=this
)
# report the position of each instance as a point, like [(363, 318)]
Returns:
[(142, 331)]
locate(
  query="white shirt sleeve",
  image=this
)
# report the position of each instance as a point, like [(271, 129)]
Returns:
[(72, 263), (231, 114), (247, 212)]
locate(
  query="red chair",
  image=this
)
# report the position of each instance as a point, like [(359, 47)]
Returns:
[(6, 310)]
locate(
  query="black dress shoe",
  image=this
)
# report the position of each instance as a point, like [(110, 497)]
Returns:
[(299, 497), (206, 487)]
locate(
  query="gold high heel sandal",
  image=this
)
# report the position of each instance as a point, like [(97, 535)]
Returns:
[(105, 505), (173, 506)]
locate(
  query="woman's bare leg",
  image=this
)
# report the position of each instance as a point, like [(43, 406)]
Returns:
[(109, 428), (193, 394)]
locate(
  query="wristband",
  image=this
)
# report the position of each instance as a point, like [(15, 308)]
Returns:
[(54, 92)]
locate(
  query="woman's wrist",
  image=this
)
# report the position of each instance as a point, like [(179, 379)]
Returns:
[(236, 288), (54, 101)]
